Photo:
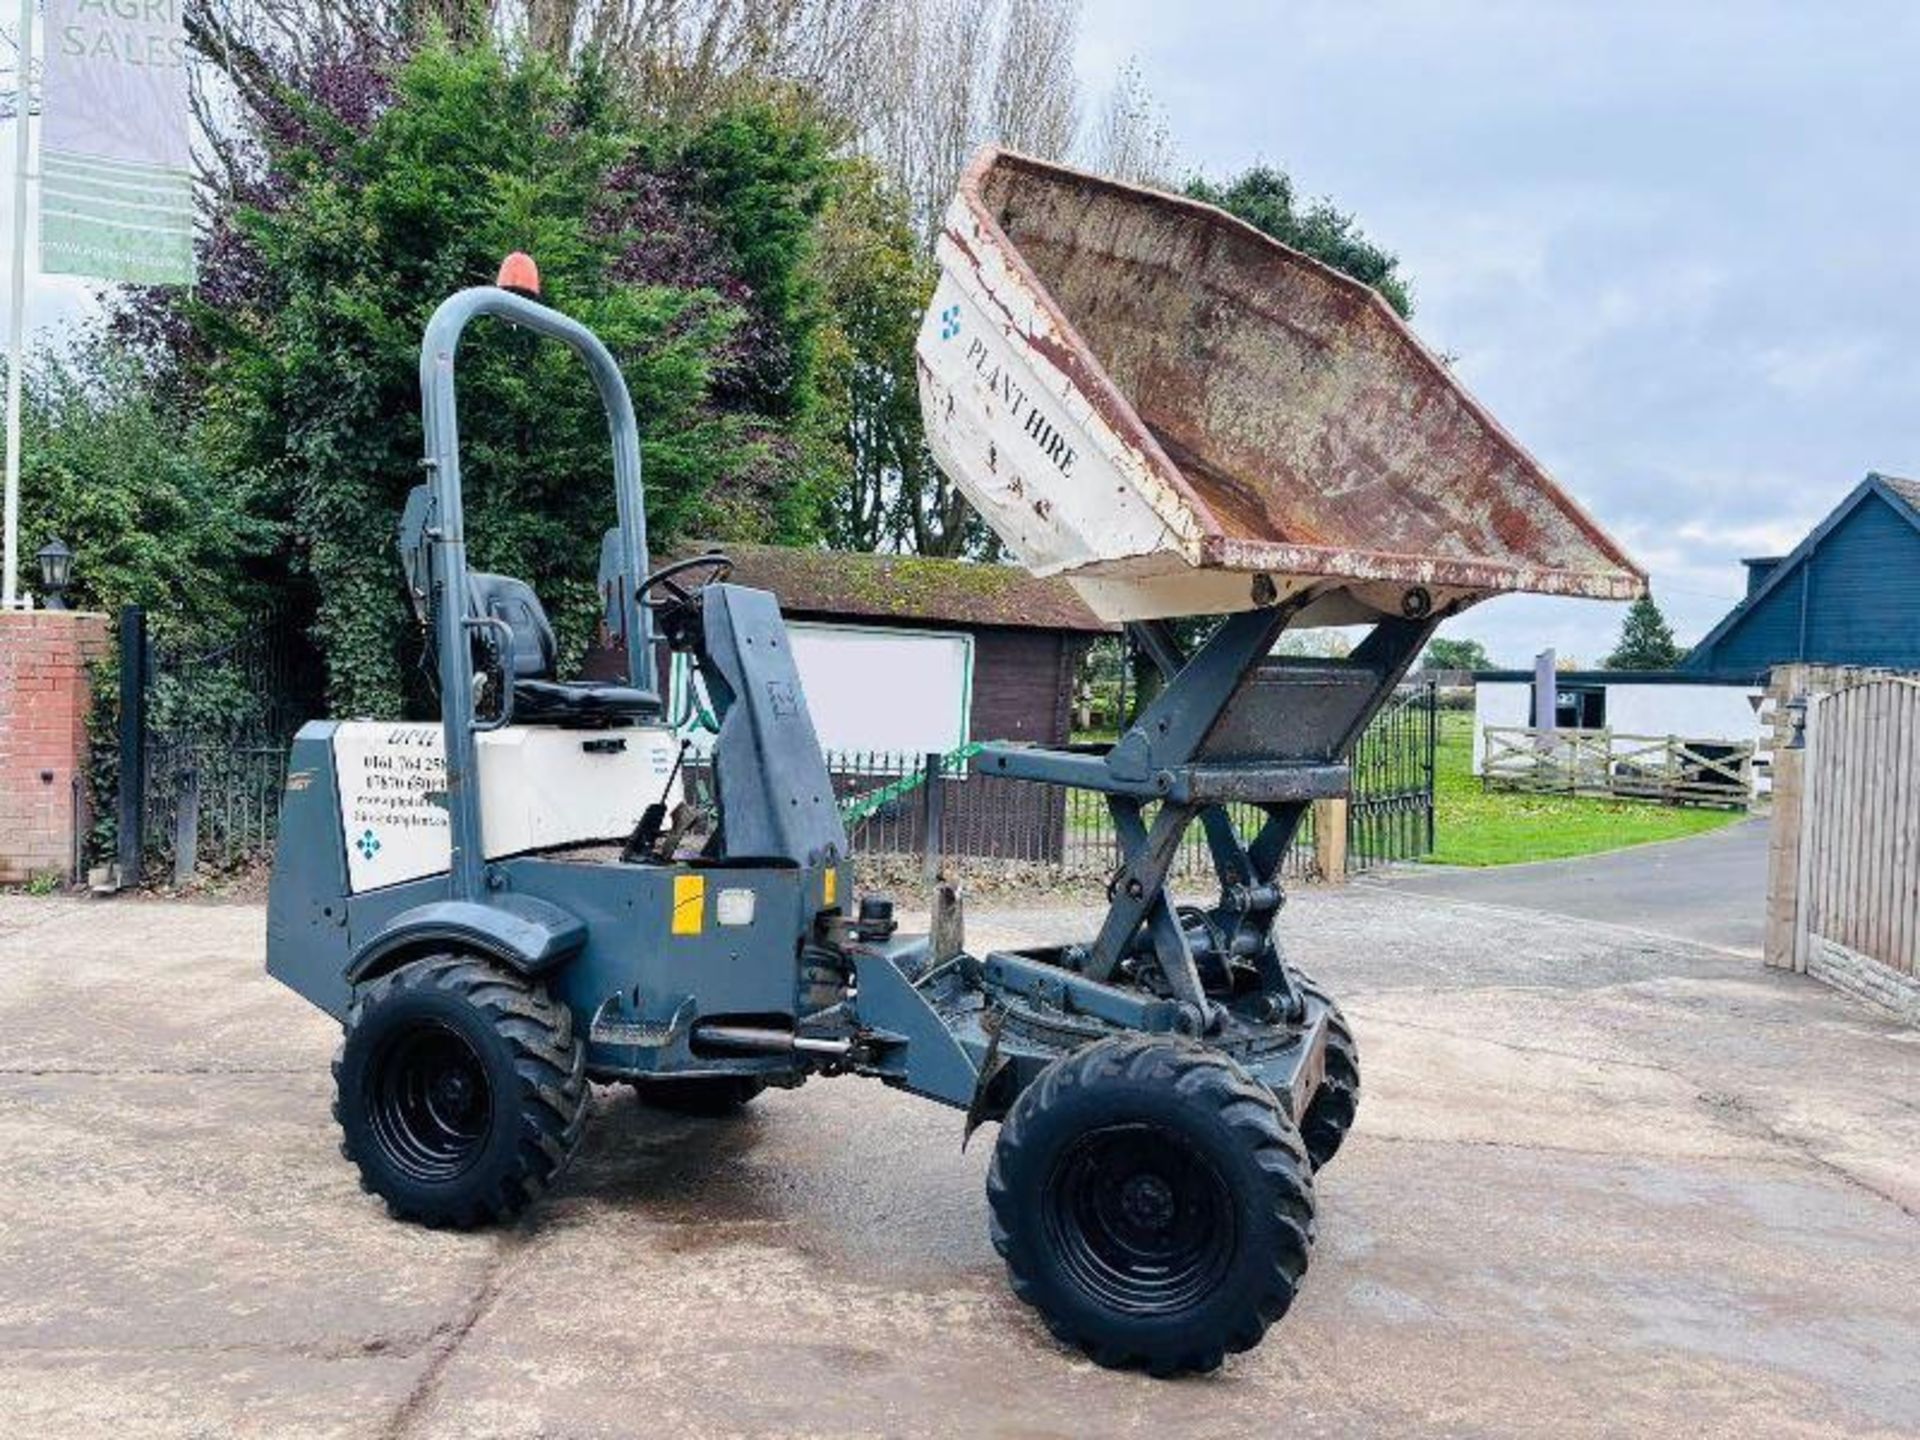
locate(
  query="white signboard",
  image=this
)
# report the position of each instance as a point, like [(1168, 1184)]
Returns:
[(391, 780), (539, 787), (116, 164), (873, 689)]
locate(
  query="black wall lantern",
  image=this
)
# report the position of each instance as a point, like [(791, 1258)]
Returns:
[(1796, 709), (56, 573)]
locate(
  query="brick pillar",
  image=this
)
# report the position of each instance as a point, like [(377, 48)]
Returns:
[(1786, 771), (44, 697)]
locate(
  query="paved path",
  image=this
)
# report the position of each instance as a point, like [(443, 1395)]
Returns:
[(1709, 888), (1602, 1185)]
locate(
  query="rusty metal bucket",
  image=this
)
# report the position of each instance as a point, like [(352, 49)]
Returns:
[(1182, 416)]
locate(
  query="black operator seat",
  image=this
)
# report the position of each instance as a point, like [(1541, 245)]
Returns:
[(531, 661)]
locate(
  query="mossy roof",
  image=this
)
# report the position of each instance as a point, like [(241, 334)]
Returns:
[(828, 584)]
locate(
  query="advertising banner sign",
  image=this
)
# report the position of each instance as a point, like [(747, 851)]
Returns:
[(116, 192)]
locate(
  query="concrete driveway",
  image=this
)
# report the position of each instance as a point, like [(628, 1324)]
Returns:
[(1709, 888), (1602, 1185)]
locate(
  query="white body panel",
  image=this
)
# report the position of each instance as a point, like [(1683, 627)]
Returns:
[(1042, 467), (539, 787)]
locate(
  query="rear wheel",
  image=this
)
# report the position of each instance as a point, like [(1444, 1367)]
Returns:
[(1153, 1202), (703, 1095), (461, 1091), (1330, 1114)]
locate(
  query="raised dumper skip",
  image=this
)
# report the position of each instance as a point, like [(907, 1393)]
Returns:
[(525, 898)]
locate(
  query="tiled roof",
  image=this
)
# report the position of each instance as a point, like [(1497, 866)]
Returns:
[(1907, 490)]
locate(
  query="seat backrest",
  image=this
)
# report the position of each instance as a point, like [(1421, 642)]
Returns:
[(534, 655)]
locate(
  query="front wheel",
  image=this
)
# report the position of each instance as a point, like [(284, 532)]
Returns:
[(1332, 1108), (461, 1091), (1153, 1203)]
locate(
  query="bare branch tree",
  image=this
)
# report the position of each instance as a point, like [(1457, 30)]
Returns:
[(552, 26), (687, 56), (1132, 140), (946, 76), (952, 91), (1036, 97), (916, 85)]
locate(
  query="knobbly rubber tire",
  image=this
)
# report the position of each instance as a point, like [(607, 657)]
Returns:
[(514, 1045), (1210, 1151), (708, 1096), (1331, 1111)]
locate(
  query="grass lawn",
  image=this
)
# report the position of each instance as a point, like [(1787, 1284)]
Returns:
[(1501, 827)]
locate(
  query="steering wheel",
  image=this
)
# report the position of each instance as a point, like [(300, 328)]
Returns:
[(664, 590)]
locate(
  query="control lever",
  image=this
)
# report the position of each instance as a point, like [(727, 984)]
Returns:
[(646, 835)]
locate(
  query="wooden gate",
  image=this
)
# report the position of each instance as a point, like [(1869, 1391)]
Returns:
[(1855, 916), (1667, 768)]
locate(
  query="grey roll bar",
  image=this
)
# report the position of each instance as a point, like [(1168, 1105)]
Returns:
[(439, 415)]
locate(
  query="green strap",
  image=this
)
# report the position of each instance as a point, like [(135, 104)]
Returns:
[(856, 808)]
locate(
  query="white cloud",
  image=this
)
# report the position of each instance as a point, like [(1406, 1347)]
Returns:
[(1815, 369), (1665, 242)]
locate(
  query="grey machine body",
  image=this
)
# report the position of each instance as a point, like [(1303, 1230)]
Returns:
[(673, 939), (804, 987)]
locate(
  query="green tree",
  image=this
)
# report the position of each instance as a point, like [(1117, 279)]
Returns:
[(1456, 655), (877, 281), (122, 482), (1264, 198), (1646, 640), (684, 249)]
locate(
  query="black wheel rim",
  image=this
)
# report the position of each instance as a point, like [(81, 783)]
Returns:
[(430, 1102), (1140, 1219)]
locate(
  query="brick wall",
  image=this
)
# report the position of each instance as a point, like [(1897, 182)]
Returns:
[(1864, 977), (44, 656)]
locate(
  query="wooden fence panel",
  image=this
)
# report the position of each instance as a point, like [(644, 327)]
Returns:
[(1671, 769), (1854, 915), (1905, 797)]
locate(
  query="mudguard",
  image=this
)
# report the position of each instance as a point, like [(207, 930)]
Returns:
[(526, 934)]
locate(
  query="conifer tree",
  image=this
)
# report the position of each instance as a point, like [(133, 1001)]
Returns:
[(1646, 640)]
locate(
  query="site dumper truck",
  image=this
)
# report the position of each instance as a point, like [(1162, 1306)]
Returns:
[(1213, 439)]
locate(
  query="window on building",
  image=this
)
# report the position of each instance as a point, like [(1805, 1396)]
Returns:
[(1580, 707)]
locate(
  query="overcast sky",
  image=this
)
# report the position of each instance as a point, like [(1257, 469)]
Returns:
[(1674, 246)]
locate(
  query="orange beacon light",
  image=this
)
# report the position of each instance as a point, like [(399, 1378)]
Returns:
[(519, 274)]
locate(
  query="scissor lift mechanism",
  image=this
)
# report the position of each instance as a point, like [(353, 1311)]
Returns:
[(1232, 725)]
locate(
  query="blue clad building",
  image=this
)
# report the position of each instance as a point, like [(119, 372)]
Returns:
[(1849, 594)]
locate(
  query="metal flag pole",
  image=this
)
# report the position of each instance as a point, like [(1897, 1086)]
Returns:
[(17, 338)]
